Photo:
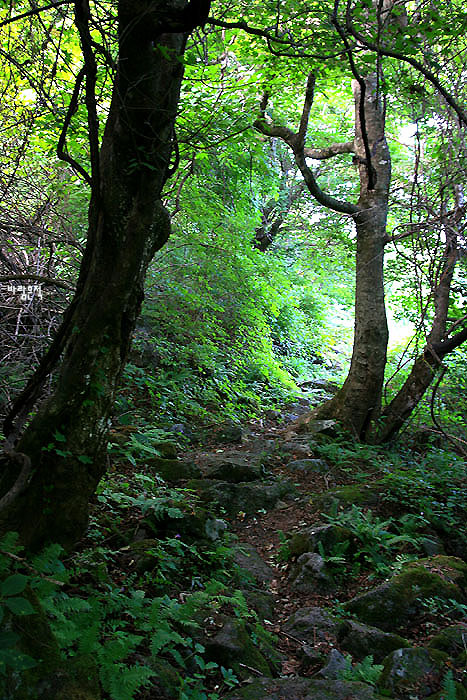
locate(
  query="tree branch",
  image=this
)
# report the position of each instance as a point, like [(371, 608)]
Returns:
[(334, 149), (61, 144), (296, 142), (431, 77), (35, 11), (37, 278), (361, 103)]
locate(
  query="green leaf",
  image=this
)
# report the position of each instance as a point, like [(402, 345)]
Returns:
[(85, 459), (16, 583), (8, 639), (19, 606), (59, 436)]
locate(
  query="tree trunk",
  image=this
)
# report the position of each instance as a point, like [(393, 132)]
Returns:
[(438, 345), (66, 441), (358, 403)]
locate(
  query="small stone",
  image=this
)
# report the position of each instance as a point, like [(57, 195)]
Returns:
[(309, 574), (335, 666)]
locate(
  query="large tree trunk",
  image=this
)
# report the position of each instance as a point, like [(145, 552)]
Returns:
[(358, 403), (66, 441)]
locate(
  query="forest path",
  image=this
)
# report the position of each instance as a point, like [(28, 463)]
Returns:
[(286, 456)]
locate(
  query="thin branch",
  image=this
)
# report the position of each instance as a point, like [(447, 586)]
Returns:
[(82, 19), (61, 144), (37, 278), (272, 39), (21, 482), (431, 77), (295, 141), (35, 11)]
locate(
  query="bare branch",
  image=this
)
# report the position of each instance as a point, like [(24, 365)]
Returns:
[(37, 278)]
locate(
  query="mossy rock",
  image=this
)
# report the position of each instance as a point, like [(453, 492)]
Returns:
[(313, 623), (346, 496), (167, 681), (173, 470), (362, 640), (413, 672), (397, 602), (141, 556), (233, 648), (310, 574), (246, 497), (248, 559), (235, 468), (309, 539), (302, 689), (451, 640)]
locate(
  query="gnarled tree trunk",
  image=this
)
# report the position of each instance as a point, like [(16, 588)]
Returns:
[(66, 441)]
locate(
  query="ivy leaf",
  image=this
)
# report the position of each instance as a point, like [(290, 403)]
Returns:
[(59, 436), (19, 606), (16, 583)]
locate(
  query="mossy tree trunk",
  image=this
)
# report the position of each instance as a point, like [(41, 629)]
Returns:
[(66, 440)]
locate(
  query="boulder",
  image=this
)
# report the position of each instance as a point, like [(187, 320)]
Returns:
[(397, 602), (234, 468), (413, 672), (229, 431), (173, 470), (308, 539), (452, 640), (302, 689), (248, 559), (335, 666), (262, 602), (232, 647), (304, 466), (309, 574), (311, 624), (346, 496), (246, 497), (362, 640)]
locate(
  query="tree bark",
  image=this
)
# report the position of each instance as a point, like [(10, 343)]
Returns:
[(358, 402), (438, 345), (66, 440)]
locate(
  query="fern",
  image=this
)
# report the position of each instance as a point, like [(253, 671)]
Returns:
[(448, 687)]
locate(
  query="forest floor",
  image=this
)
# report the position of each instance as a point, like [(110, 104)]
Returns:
[(268, 603)]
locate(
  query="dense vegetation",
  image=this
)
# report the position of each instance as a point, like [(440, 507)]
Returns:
[(233, 298)]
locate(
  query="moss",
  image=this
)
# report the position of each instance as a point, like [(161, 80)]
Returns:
[(167, 680), (173, 470), (450, 640), (409, 672), (233, 648), (352, 494), (307, 540), (394, 603)]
